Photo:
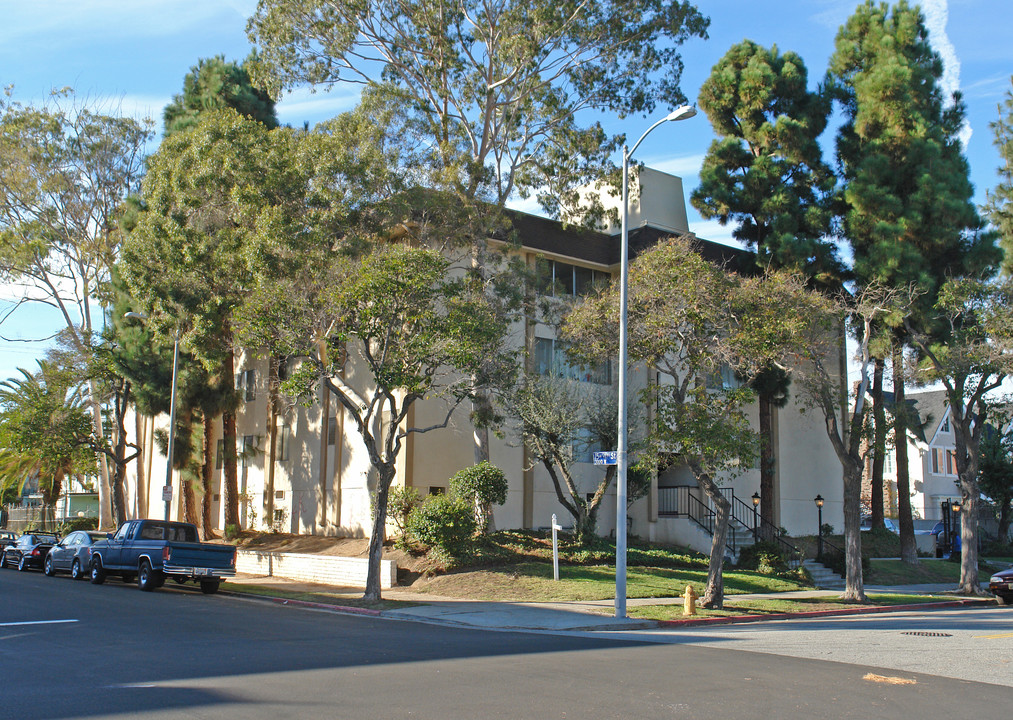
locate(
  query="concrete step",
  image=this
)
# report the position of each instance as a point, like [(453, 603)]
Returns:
[(823, 577)]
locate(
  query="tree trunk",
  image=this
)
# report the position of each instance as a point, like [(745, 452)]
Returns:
[(206, 470), (879, 445), (104, 501), (1004, 522), (141, 491), (970, 583), (378, 534), (766, 410), (854, 586), (908, 549), (714, 593), (230, 491), (189, 499)]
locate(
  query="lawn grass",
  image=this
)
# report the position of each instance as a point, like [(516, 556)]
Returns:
[(761, 607), (531, 581)]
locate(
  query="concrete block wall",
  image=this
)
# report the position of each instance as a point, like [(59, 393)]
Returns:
[(324, 569)]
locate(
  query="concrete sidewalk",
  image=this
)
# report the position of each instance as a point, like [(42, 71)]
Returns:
[(559, 616)]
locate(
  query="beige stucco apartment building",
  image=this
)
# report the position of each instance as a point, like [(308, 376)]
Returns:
[(319, 479)]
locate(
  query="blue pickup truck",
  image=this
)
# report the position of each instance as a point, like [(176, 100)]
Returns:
[(153, 550)]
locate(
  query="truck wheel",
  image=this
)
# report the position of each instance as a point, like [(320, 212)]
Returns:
[(209, 587), (48, 567), (148, 579), (75, 570), (98, 573)]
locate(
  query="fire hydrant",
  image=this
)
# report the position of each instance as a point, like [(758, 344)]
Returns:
[(689, 601)]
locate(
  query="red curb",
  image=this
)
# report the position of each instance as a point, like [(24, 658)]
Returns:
[(307, 604), (730, 619)]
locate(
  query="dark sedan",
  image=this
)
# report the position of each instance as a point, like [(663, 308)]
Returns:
[(1001, 585), (73, 554), (29, 551)]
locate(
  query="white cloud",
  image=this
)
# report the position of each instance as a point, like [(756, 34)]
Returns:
[(302, 104), (70, 19), (687, 166), (937, 15)]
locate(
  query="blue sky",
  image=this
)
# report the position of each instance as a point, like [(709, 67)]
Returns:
[(130, 56)]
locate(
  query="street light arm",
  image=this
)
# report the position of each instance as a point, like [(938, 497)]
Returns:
[(681, 113)]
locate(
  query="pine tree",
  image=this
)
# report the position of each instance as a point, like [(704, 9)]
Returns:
[(766, 173), (907, 209)]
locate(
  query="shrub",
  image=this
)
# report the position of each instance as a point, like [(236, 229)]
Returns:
[(231, 532), (764, 557), (443, 523), (400, 502), (81, 523), (482, 485)]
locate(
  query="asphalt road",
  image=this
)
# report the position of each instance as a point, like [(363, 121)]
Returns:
[(72, 650)]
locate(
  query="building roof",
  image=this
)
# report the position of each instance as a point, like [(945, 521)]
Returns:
[(553, 237)]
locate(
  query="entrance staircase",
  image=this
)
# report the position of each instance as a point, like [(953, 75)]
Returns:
[(823, 577)]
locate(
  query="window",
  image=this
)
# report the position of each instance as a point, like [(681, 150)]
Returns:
[(247, 381), (944, 462), (551, 359), (723, 379), (561, 279), (332, 430), (220, 455), (436, 490), (279, 494), (249, 447), (945, 427), (283, 438), (585, 445)]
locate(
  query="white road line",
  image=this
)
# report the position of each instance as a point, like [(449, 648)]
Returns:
[(37, 622)]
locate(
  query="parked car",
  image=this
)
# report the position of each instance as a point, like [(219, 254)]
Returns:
[(153, 550), (73, 554), (7, 538), (1001, 585), (29, 551)]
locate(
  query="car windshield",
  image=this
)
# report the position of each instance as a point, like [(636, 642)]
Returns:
[(46, 538)]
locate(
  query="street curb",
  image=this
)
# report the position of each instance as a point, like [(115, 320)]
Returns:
[(303, 603), (733, 619)]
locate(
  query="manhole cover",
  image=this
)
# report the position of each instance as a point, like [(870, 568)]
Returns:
[(923, 633)]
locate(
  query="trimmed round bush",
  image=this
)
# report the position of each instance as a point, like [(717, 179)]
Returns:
[(444, 524), (483, 483)]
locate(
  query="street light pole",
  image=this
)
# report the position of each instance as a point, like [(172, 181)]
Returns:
[(681, 113), (167, 489), (819, 543)]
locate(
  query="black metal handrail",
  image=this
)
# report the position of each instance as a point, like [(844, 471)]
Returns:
[(684, 502), (766, 531)]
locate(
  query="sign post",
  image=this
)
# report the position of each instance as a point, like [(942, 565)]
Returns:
[(555, 548)]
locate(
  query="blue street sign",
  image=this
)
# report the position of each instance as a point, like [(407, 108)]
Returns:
[(606, 458)]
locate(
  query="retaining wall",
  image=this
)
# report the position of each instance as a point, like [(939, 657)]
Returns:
[(324, 569)]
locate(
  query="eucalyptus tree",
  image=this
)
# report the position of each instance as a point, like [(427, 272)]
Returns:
[(487, 100), (64, 174), (907, 200), (382, 325), (971, 362), (765, 172), (682, 322)]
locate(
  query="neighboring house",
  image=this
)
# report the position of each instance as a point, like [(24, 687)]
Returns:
[(932, 468), (317, 478)]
